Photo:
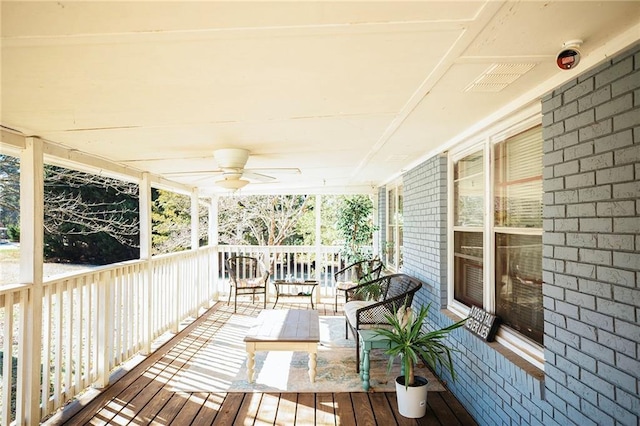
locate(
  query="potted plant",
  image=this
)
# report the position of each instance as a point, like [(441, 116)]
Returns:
[(410, 341)]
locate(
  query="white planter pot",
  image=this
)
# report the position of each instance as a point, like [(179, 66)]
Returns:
[(412, 401)]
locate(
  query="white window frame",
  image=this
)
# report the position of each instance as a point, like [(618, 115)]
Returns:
[(392, 225), (507, 337)]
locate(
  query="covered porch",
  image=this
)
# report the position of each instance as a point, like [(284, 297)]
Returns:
[(141, 397)]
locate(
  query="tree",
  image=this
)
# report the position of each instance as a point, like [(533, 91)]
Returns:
[(355, 224), (9, 191), (89, 218), (261, 219), (171, 215)]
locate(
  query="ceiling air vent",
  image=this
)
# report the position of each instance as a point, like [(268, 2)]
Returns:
[(497, 77)]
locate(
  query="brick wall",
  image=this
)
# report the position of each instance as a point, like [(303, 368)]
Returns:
[(591, 245)]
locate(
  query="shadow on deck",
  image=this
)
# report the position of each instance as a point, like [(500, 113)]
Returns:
[(140, 397)]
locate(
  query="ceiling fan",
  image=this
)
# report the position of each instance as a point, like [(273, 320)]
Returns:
[(231, 162)]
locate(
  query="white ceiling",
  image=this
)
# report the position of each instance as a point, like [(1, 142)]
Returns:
[(351, 93)]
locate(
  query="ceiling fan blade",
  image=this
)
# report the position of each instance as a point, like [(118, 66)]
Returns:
[(194, 172), (277, 170), (250, 174)]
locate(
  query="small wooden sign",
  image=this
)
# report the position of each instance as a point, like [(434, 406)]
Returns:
[(482, 324)]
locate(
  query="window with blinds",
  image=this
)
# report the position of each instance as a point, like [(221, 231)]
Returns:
[(469, 193), (518, 181), (502, 274)]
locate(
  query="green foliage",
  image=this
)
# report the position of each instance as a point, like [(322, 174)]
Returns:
[(409, 341), (13, 232), (9, 190), (171, 218), (355, 225)]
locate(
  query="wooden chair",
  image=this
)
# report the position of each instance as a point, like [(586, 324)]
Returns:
[(349, 276), (247, 275)]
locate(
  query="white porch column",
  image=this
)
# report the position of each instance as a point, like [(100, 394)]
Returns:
[(319, 258), (144, 200), (31, 260), (214, 271), (195, 246)]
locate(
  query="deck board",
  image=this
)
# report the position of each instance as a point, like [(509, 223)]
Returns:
[(141, 398)]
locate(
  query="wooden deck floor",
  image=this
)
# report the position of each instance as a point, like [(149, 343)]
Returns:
[(140, 398)]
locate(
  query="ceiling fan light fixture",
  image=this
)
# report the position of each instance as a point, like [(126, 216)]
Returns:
[(233, 184)]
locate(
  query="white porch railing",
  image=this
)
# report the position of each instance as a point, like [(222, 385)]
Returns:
[(94, 321)]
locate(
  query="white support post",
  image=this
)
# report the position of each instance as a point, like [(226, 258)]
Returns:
[(195, 246), (319, 258), (145, 254), (214, 271), (31, 261), (104, 329)]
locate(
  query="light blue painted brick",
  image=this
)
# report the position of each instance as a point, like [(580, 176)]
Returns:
[(616, 276), (565, 197), (628, 401), (578, 151), (594, 98), (598, 257), (566, 139), (596, 130), (555, 318), (596, 193), (567, 225), (596, 382), (551, 102), (616, 309), (581, 239), (566, 253), (567, 109), (581, 120), (626, 259), (626, 120), (630, 154), (590, 415), (616, 106), (627, 295), (615, 175), (553, 291), (552, 158), (626, 190), (585, 362), (597, 162), (597, 288), (597, 319), (616, 242), (566, 168), (629, 330), (571, 339), (616, 208), (580, 299), (582, 329), (566, 281), (547, 172), (554, 238), (617, 343), (579, 90), (580, 180), (614, 72), (613, 141), (567, 309), (599, 352), (617, 377), (580, 269), (596, 225), (553, 211), (619, 413), (579, 418)]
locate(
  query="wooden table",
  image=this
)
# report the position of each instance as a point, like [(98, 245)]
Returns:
[(284, 330), (281, 285)]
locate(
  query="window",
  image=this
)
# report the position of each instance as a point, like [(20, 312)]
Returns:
[(393, 246), (497, 245)]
